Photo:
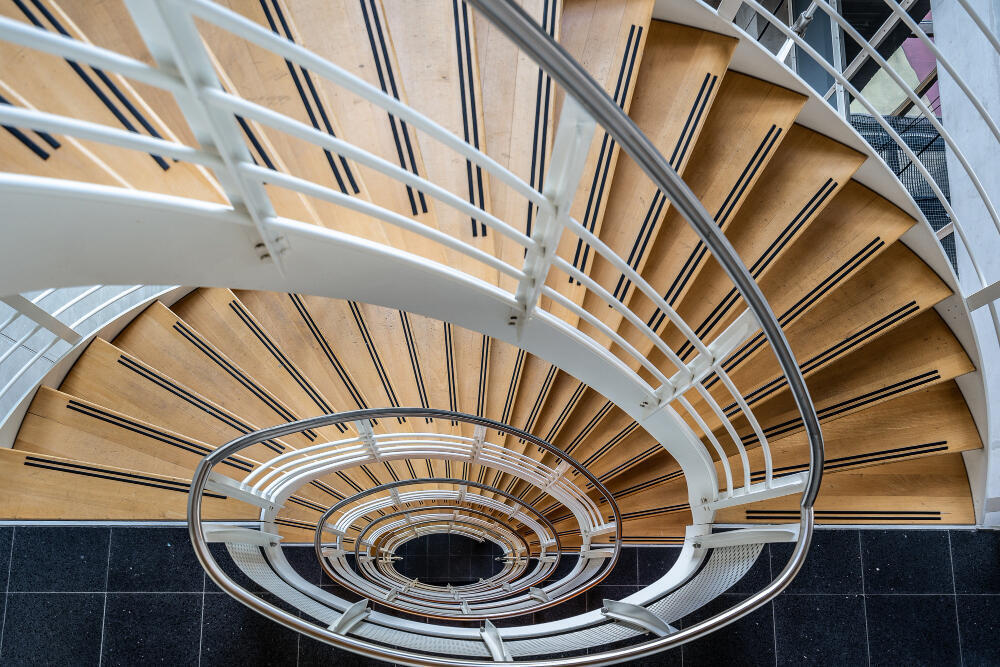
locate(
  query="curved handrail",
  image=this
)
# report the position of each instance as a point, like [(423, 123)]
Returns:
[(521, 29)]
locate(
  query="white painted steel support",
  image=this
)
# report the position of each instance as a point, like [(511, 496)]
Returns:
[(569, 156), (367, 437), (172, 38), (354, 614), (761, 535), (638, 617), (240, 535), (782, 486), (41, 317), (229, 487), (494, 644)]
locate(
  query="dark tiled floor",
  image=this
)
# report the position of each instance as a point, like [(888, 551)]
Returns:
[(130, 596)]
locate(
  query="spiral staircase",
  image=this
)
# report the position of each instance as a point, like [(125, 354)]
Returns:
[(442, 298)]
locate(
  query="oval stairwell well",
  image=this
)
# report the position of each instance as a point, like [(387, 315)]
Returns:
[(476, 309)]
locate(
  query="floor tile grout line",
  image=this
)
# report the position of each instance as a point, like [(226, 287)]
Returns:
[(864, 598), (774, 613), (6, 592), (104, 611), (201, 623), (954, 599)]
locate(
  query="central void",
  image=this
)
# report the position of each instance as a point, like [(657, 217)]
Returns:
[(443, 559)]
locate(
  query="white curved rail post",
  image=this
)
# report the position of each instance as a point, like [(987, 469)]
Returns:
[(569, 155), (176, 45)]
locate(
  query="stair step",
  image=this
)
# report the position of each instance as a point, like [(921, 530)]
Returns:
[(37, 486), (162, 340), (680, 79), (926, 491), (110, 377), (916, 354), (804, 177)]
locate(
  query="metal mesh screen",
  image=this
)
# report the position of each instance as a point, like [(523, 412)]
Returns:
[(921, 137)]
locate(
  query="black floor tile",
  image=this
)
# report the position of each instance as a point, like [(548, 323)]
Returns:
[(303, 560), (6, 538), (417, 566), (52, 629), (625, 571), (153, 559), (571, 607), (437, 544), (912, 630), (976, 555), (979, 628), (749, 641), (152, 628), (654, 562), (51, 558), (483, 566), (820, 629), (313, 653), (833, 564), (236, 635), (906, 561)]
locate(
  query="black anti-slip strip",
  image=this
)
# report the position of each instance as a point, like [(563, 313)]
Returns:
[(601, 173), (255, 142), (449, 356), (621, 435), (590, 425), (283, 360), (662, 479), (543, 392), (804, 303), (834, 351), (565, 412), (484, 359), (515, 378), (238, 375), (882, 456), (111, 475), (327, 489), (193, 400), (851, 404), (411, 348), (374, 355), (28, 142), (656, 206), (539, 138), (467, 98), (314, 95), (90, 83), (638, 458), (324, 345), (386, 77), (150, 432)]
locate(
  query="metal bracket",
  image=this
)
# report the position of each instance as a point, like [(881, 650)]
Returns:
[(353, 615), (240, 535), (538, 594), (230, 487), (465, 608), (478, 438), (494, 644), (589, 554), (41, 317), (760, 535), (367, 436), (330, 552), (634, 615)]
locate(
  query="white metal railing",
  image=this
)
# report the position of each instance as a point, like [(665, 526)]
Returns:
[(185, 70)]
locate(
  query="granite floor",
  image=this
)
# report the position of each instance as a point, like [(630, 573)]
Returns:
[(137, 596)]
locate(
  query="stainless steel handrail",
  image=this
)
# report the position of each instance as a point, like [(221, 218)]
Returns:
[(524, 32)]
